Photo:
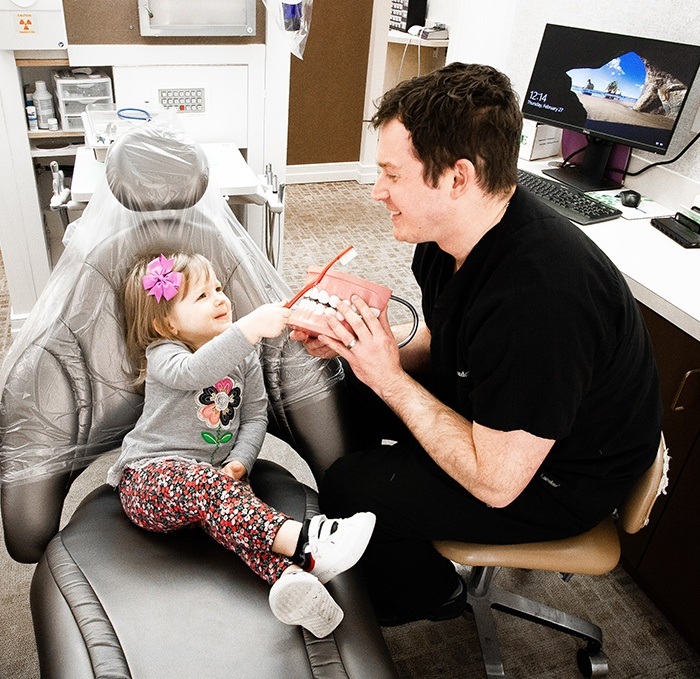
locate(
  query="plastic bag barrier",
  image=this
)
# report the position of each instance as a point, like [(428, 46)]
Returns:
[(67, 391), (293, 17)]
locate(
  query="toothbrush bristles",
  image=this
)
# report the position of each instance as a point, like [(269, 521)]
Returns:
[(348, 255)]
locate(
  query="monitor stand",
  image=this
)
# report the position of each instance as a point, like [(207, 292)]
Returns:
[(589, 175), (572, 176)]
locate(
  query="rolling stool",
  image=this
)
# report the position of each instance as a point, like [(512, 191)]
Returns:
[(595, 552)]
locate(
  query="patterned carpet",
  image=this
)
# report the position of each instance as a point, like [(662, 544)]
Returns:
[(322, 219)]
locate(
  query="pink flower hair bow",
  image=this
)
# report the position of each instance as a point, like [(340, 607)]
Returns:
[(161, 281)]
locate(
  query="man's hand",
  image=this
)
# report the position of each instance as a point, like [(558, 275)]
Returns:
[(494, 466), (369, 348), (312, 344)]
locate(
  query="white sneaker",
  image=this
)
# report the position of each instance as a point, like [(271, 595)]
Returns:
[(298, 598), (338, 544)]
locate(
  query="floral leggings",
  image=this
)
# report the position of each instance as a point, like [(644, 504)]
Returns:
[(169, 494)]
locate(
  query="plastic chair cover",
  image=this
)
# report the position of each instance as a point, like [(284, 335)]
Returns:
[(67, 395)]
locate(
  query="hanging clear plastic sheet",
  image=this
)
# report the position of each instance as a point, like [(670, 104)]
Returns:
[(293, 17), (68, 394)]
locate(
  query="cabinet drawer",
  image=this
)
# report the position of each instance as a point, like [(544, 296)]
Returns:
[(83, 89)]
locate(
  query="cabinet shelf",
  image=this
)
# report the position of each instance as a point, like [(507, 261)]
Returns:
[(401, 38), (51, 63), (55, 134)]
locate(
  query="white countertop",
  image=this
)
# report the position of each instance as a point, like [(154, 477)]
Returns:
[(662, 274), (229, 169)]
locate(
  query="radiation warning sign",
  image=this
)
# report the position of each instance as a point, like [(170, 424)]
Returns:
[(26, 28), (26, 24)]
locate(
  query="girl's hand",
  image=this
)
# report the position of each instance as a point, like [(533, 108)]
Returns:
[(268, 320), (235, 469)]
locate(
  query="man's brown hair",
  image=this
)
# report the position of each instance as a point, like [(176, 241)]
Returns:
[(459, 111)]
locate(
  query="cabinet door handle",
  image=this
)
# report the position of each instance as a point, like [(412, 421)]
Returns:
[(674, 406)]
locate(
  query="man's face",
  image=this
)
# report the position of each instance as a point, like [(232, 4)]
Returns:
[(417, 209)]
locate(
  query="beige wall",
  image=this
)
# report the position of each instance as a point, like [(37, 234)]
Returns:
[(327, 90)]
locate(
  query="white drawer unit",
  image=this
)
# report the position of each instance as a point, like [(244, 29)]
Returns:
[(76, 89)]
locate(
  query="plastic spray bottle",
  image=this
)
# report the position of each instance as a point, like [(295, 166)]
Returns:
[(43, 102)]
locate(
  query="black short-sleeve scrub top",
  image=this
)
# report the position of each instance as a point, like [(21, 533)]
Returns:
[(538, 331)]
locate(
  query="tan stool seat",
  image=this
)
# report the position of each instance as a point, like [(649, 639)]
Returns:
[(595, 552)]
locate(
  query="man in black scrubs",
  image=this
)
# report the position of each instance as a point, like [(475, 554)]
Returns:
[(538, 407)]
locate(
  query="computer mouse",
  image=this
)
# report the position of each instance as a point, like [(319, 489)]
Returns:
[(630, 198)]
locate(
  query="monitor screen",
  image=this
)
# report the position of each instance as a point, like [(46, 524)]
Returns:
[(613, 88)]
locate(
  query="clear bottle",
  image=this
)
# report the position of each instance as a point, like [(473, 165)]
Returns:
[(43, 102)]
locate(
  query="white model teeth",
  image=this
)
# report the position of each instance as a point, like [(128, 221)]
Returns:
[(319, 302)]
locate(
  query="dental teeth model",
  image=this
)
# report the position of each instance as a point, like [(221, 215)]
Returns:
[(309, 313)]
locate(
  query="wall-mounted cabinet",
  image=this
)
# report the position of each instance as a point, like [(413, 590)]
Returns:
[(207, 17)]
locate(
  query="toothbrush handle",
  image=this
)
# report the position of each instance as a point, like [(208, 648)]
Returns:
[(299, 294), (316, 280)]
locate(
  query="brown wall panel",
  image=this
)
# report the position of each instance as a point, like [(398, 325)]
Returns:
[(327, 90), (116, 22)]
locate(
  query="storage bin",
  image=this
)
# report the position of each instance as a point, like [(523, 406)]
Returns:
[(75, 90)]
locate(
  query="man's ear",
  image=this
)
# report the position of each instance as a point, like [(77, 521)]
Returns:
[(463, 175)]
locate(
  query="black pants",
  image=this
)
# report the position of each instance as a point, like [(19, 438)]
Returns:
[(416, 503)]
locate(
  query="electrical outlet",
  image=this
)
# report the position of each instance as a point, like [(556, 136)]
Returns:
[(695, 127), (185, 100)]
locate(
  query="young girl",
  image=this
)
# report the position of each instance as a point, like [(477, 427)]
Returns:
[(204, 419)]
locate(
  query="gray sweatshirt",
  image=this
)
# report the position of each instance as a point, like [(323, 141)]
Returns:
[(209, 405)]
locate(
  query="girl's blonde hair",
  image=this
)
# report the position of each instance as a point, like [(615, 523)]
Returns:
[(145, 317)]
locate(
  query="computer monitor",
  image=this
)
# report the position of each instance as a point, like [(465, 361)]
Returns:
[(614, 89)]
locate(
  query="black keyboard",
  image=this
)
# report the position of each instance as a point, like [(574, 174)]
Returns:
[(568, 202)]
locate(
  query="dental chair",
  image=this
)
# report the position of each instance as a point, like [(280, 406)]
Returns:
[(109, 599)]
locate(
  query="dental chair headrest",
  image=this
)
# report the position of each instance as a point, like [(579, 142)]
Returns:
[(151, 168)]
